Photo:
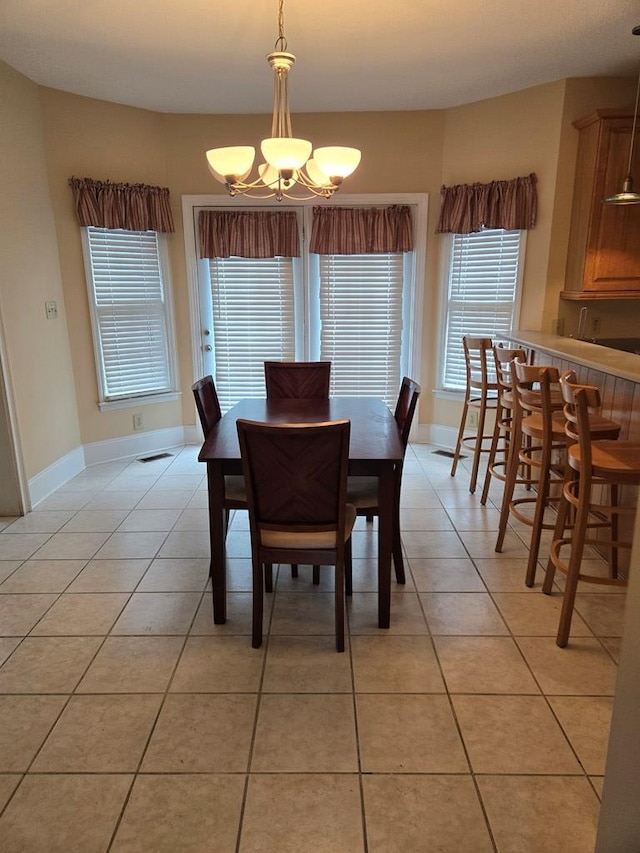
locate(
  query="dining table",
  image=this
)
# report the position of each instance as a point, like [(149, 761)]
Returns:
[(375, 449)]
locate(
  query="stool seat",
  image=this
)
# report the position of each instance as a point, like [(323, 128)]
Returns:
[(533, 425), (610, 458)]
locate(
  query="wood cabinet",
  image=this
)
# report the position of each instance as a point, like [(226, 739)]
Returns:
[(604, 241)]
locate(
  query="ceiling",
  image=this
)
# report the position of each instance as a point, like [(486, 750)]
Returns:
[(208, 56)]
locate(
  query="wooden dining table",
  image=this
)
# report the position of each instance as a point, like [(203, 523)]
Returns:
[(375, 449)]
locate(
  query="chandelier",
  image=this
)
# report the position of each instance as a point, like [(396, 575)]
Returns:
[(291, 170)]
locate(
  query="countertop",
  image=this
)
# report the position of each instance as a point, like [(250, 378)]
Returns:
[(614, 362)]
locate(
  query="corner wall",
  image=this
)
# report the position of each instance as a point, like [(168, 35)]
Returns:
[(37, 350)]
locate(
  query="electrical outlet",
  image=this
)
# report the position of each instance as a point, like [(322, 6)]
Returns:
[(138, 421), (472, 419), (51, 309), (595, 325)]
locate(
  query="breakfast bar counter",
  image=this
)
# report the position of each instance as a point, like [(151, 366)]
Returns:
[(613, 362)]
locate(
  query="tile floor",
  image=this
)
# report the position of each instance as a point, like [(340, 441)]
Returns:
[(130, 723)]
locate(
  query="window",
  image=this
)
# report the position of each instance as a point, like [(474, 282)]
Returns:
[(130, 313), (357, 311), (485, 272)]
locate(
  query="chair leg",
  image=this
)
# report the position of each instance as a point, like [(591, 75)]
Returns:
[(348, 568), (492, 454), (396, 541), (575, 560), (258, 596), (294, 570), (542, 500), (477, 452), (316, 575), (340, 605), (614, 530), (513, 463), (268, 577), (456, 454)]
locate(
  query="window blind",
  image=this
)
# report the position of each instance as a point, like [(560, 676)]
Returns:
[(130, 313), (253, 322), (482, 294), (361, 323)]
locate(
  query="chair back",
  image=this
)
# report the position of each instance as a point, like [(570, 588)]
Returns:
[(207, 403), (297, 380), (296, 475), (478, 362), (406, 407), (533, 391), (576, 408), (503, 356)]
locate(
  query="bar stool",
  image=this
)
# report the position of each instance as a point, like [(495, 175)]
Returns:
[(481, 396), (603, 462), (503, 426), (538, 437)]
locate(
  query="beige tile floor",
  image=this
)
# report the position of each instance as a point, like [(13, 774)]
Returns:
[(130, 723)]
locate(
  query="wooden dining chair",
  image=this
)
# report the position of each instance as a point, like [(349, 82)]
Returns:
[(362, 492), (209, 412), (296, 476), (297, 380)]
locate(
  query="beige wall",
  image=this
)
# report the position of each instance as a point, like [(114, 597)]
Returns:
[(499, 138), (96, 139), (39, 361)]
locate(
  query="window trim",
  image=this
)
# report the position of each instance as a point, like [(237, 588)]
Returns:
[(145, 398), (441, 391), (191, 205)]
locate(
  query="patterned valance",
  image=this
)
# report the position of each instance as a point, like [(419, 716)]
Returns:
[(466, 208), (248, 234), (361, 230), (132, 207)]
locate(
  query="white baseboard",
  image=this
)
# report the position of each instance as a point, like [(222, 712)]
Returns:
[(440, 436), (130, 446), (55, 475), (111, 450)]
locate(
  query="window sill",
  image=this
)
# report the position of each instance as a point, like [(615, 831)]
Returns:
[(134, 402), (441, 394)]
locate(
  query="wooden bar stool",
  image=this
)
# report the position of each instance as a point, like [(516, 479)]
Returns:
[(498, 459), (481, 395), (603, 462), (538, 437)]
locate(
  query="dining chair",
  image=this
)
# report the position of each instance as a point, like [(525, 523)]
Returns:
[(209, 412), (296, 476), (362, 492), (297, 380)]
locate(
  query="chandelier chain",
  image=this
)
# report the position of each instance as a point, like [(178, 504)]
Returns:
[(281, 42)]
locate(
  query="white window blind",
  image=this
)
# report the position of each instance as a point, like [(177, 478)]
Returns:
[(361, 323), (483, 293), (253, 322), (129, 313)]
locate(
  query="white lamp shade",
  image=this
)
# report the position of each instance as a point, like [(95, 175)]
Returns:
[(270, 177), (286, 152), (236, 160), (317, 175), (337, 161)]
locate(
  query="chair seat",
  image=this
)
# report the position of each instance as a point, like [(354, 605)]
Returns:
[(362, 492), (611, 459), (311, 540), (532, 425)]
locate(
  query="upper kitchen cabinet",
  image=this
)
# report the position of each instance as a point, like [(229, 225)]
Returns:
[(604, 240)]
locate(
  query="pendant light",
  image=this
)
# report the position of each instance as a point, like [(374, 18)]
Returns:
[(291, 169), (628, 195)]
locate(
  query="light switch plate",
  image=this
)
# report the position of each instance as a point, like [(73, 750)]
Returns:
[(52, 310)]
